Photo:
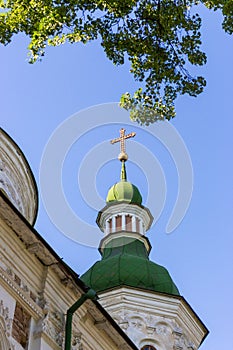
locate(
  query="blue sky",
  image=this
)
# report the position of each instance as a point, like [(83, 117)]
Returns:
[(36, 99)]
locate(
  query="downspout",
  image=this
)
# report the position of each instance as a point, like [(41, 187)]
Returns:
[(90, 294)]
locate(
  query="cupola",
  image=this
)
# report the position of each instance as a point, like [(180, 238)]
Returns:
[(125, 248)]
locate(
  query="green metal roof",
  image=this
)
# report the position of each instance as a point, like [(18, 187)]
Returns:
[(124, 191), (127, 264)]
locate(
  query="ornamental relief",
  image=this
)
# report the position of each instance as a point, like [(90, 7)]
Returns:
[(137, 323), (12, 276), (77, 341), (163, 329), (5, 328), (181, 342), (143, 323), (4, 316), (121, 318), (52, 324), (139, 326)]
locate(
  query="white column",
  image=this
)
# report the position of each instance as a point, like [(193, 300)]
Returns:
[(123, 222), (113, 224), (107, 227), (133, 223), (141, 227)]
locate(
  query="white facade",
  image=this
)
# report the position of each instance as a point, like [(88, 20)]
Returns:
[(35, 285), (163, 321)]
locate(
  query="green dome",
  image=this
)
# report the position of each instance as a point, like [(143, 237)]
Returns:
[(124, 191), (128, 265)]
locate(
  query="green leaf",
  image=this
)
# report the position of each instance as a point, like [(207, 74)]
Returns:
[(159, 38)]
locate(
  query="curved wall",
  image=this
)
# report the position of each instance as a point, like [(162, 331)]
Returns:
[(16, 179)]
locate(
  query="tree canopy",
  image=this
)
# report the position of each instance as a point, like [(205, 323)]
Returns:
[(160, 38)]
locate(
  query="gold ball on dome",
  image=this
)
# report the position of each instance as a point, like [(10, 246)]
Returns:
[(123, 156)]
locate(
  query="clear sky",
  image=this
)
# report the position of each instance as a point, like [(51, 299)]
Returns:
[(36, 99)]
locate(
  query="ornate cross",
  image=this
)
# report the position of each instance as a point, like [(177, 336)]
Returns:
[(123, 156), (122, 139)]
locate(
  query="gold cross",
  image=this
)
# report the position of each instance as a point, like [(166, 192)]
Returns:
[(122, 139)]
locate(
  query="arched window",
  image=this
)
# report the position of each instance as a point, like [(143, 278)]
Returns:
[(148, 347)]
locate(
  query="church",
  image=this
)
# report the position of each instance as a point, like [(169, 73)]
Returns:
[(124, 301)]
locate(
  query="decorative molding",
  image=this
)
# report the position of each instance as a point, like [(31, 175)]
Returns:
[(139, 327), (146, 316), (20, 295), (37, 248)]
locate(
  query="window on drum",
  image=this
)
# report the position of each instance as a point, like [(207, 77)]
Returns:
[(148, 347)]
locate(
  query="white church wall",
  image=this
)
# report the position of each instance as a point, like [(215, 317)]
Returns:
[(37, 296), (149, 318)]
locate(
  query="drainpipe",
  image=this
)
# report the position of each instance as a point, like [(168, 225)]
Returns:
[(90, 294)]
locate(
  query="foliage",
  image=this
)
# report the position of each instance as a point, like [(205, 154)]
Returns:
[(160, 38)]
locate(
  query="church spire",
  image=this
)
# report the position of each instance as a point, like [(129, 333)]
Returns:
[(123, 172), (123, 191)]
